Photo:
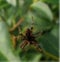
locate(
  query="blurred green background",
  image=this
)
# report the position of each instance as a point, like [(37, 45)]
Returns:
[(45, 15)]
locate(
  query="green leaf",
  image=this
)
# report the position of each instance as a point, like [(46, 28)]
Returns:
[(55, 31), (50, 43), (3, 58), (37, 58), (12, 2), (26, 5), (42, 10), (5, 43), (37, 23), (3, 4), (30, 55), (51, 1), (7, 10)]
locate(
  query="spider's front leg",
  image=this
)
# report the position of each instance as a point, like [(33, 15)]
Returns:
[(14, 41), (24, 43)]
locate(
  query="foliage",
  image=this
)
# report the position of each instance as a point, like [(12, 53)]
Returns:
[(45, 16)]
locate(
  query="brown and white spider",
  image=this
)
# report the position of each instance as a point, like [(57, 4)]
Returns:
[(28, 38)]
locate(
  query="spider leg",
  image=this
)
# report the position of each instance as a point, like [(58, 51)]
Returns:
[(42, 32), (37, 46), (14, 41), (38, 34), (24, 43), (16, 25)]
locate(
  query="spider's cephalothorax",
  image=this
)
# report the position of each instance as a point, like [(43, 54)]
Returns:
[(29, 35), (29, 38)]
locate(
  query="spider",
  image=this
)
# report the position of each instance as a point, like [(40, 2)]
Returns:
[(29, 39)]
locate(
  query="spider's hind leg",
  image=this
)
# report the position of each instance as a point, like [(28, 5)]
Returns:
[(37, 46)]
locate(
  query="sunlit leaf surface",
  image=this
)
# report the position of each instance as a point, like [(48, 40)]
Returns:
[(5, 41)]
